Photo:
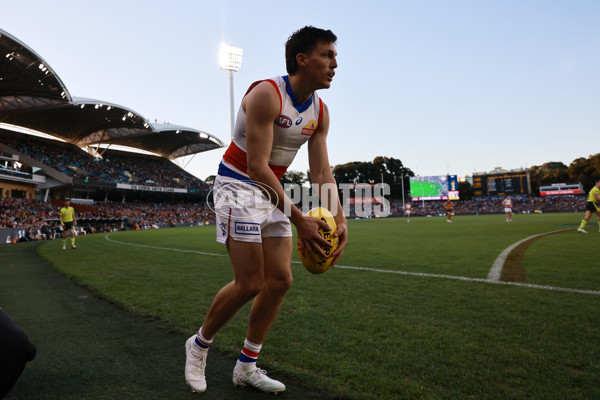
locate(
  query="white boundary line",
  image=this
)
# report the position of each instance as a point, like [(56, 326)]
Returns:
[(163, 248), (387, 271), (467, 279)]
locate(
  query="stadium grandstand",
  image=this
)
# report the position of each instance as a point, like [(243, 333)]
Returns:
[(55, 146)]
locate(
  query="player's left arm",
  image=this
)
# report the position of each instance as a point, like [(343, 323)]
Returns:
[(74, 217), (320, 172)]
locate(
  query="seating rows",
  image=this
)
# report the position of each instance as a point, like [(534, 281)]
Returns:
[(112, 167)]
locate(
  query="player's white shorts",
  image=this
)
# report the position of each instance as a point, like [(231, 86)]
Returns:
[(507, 209), (245, 214)]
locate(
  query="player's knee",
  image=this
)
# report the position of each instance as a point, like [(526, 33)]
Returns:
[(250, 288), (279, 285)]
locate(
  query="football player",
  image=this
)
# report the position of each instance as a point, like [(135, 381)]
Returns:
[(276, 117)]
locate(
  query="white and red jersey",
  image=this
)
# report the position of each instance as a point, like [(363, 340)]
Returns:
[(507, 203), (294, 126), (408, 208)]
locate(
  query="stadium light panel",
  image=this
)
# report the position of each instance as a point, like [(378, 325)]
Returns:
[(230, 58)]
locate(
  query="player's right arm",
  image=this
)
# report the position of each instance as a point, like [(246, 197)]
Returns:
[(262, 106)]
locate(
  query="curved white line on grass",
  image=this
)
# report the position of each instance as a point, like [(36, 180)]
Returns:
[(494, 274), (421, 274)]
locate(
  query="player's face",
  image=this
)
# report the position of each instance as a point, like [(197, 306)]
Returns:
[(321, 64)]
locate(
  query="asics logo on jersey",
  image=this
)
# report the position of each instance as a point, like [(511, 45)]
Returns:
[(299, 121), (283, 121)]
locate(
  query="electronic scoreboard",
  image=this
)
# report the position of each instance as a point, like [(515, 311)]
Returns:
[(503, 184), (440, 187)]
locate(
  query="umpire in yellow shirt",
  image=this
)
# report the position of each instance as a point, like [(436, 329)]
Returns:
[(68, 221), (591, 207)]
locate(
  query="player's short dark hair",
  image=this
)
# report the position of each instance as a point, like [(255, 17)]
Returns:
[(304, 41)]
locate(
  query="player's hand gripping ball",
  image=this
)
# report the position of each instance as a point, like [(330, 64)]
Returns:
[(320, 264)]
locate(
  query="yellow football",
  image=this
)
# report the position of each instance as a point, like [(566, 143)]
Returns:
[(320, 264)]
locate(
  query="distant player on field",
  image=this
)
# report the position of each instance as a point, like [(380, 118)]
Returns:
[(68, 221), (591, 207), (507, 203), (276, 117), (407, 212), (449, 206)]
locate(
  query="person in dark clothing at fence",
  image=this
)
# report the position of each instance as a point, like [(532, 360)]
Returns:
[(15, 351)]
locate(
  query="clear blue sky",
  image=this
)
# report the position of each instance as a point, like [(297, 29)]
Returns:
[(445, 86)]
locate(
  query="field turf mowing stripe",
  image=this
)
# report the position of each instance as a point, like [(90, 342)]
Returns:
[(496, 270)]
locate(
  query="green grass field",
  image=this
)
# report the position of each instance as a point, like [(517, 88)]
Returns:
[(383, 331)]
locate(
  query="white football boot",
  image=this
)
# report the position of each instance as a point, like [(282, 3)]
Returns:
[(257, 378), (582, 230), (195, 364)]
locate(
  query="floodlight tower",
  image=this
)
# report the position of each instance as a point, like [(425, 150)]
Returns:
[(230, 59)]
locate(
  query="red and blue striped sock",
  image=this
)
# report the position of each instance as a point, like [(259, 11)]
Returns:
[(249, 354), (201, 341)]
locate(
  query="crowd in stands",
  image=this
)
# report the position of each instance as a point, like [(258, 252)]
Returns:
[(22, 212), (112, 167), (494, 206), (101, 217)]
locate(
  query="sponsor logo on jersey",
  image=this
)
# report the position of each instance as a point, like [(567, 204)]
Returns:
[(283, 121), (247, 228), (299, 121), (309, 128)]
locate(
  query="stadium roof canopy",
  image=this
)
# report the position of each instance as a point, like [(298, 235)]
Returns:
[(34, 97)]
